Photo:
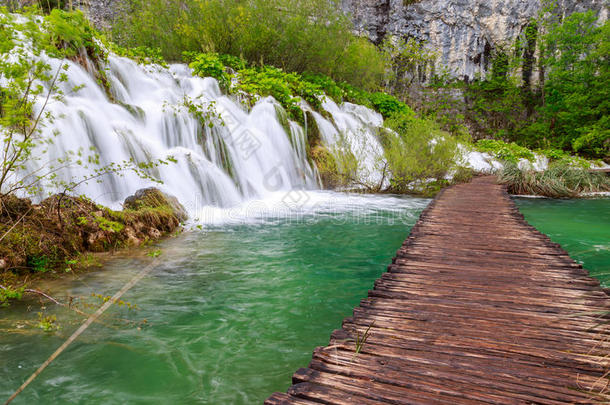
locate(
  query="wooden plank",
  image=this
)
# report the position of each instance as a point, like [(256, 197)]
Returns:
[(477, 307)]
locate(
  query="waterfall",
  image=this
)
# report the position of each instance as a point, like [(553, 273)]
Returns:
[(232, 157), (354, 131)]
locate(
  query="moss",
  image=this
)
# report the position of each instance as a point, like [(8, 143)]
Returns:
[(108, 225), (328, 167), (57, 235), (313, 135), (282, 117)]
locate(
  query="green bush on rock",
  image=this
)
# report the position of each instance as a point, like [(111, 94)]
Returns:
[(420, 155)]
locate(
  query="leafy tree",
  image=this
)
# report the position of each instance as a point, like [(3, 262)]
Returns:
[(409, 60), (577, 88)]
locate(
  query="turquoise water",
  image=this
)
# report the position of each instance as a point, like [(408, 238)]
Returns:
[(226, 318), (582, 227)]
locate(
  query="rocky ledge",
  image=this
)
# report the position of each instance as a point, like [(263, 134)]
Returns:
[(58, 233)]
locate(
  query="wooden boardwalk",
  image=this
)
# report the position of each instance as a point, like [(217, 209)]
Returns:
[(476, 307)]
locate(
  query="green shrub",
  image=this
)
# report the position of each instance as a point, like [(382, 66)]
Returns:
[(70, 31), (577, 87), (569, 109), (355, 95), (388, 105), (209, 65), (326, 84), (501, 150), (295, 35), (8, 293), (594, 141), (141, 54), (419, 154), (38, 263)]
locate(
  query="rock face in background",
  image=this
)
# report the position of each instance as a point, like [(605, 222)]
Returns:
[(464, 33), (101, 12)]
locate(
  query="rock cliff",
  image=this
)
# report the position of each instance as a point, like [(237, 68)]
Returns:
[(464, 33)]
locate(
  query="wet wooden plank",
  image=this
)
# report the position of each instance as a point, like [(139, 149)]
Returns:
[(477, 307)]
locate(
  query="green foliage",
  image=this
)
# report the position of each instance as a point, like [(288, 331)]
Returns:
[(325, 84), (419, 154), (497, 106), (38, 263), (154, 253), (408, 57), (9, 293), (288, 88), (462, 175), (209, 65), (595, 141), (284, 87), (294, 35), (560, 180), (47, 323), (70, 32), (510, 152), (389, 105), (108, 225), (577, 89), (570, 110), (141, 54)]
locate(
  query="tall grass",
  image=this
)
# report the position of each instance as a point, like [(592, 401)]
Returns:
[(560, 180)]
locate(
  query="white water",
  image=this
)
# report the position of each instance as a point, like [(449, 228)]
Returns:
[(355, 131), (244, 158)]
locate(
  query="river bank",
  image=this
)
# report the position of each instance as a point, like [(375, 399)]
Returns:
[(62, 233)]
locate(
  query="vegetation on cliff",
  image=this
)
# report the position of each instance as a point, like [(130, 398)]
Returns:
[(567, 109)]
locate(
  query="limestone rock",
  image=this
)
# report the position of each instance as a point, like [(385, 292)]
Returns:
[(463, 32)]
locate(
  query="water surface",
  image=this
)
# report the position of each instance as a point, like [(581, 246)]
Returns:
[(227, 317), (581, 226)]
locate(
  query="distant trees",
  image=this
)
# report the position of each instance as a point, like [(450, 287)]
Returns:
[(295, 35)]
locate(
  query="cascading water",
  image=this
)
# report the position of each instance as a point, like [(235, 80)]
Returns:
[(233, 156), (354, 132), (226, 158)]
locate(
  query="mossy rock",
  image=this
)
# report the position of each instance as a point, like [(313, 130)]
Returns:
[(328, 168), (154, 198), (314, 137), (61, 228)]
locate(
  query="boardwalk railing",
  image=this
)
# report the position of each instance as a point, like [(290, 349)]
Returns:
[(476, 307)]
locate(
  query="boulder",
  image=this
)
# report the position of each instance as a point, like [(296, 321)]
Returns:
[(154, 198)]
